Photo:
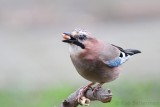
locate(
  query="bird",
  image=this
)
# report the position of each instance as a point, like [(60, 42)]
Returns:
[(95, 60)]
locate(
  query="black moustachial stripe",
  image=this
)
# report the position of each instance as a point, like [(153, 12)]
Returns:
[(74, 41), (79, 44)]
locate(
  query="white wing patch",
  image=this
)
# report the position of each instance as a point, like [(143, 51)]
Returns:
[(118, 61)]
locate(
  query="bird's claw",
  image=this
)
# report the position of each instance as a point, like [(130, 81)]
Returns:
[(81, 99), (80, 95), (95, 89)]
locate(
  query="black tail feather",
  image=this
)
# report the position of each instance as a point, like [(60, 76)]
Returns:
[(128, 51), (131, 51)]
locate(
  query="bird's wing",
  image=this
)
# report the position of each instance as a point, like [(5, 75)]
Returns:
[(117, 61), (122, 58)]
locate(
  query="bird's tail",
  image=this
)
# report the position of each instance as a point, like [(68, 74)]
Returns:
[(131, 51)]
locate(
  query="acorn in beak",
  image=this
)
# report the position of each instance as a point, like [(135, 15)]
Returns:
[(68, 38)]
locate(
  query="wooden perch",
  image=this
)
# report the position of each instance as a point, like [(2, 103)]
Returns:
[(103, 95)]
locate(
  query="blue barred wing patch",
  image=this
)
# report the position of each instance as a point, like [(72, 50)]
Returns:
[(117, 61), (114, 63)]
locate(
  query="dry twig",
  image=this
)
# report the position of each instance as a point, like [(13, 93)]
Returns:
[(103, 95)]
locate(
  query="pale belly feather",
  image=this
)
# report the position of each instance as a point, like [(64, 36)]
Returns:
[(95, 71)]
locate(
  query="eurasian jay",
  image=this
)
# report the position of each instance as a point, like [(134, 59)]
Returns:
[(95, 60)]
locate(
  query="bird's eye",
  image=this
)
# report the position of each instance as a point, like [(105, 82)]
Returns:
[(82, 37)]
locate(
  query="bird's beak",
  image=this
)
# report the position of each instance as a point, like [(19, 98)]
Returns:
[(68, 38)]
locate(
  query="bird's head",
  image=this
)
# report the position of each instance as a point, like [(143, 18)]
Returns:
[(77, 37)]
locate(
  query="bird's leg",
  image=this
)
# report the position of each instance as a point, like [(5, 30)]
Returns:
[(83, 90), (97, 87)]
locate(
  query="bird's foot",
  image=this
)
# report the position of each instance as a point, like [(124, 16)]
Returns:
[(96, 88), (80, 96)]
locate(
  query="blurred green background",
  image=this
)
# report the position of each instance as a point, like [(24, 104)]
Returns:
[(35, 67)]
